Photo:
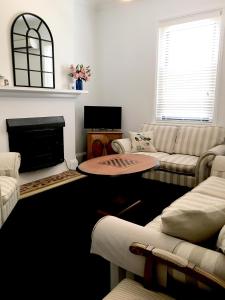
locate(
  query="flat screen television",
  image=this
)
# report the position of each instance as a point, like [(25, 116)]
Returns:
[(102, 117)]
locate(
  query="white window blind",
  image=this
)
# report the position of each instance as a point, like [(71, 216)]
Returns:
[(187, 69)]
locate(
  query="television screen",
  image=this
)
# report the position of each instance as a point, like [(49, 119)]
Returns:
[(102, 117)]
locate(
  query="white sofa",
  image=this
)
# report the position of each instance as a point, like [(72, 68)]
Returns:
[(185, 152), (111, 236), (9, 186)]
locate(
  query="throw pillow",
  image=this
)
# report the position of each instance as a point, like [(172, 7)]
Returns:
[(142, 141), (194, 217), (221, 240)]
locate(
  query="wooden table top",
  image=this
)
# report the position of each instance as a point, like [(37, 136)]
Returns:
[(118, 164)]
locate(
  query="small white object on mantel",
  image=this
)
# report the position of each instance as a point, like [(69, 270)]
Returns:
[(39, 92), (2, 81)]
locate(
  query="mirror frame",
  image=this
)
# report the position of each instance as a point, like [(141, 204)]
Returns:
[(25, 51)]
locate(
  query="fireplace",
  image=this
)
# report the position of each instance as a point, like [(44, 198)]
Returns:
[(38, 140)]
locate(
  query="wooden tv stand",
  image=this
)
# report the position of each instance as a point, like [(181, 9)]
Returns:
[(99, 142)]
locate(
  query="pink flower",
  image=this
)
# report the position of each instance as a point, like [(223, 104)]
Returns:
[(80, 72)]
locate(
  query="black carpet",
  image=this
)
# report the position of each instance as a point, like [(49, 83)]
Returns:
[(45, 242)]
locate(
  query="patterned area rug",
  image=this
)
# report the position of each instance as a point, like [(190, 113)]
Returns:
[(38, 186)]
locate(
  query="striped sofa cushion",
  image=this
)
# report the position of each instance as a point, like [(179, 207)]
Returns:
[(194, 217), (179, 163), (8, 185), (164, 136), (195, 140), (157, 155), (170, 177), (212, 186)]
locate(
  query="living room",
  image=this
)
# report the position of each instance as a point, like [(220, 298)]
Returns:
[(119, 40), (110, 46)]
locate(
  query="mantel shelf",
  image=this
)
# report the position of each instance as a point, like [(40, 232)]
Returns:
[(19, 92)]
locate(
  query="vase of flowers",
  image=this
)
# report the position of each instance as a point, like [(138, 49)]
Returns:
[(79, 73)]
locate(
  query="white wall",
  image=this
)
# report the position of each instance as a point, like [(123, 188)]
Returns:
[(72, 25), (126, 47)]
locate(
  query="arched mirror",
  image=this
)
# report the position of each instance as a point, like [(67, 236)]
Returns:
[(32, 52)]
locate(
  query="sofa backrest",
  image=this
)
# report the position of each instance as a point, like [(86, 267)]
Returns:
[(164, 136), (197, 139), (185, 139)]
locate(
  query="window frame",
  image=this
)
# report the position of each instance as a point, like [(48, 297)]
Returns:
[(180, 20)]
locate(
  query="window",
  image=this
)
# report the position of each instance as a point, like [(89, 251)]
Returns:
[(187, 68)]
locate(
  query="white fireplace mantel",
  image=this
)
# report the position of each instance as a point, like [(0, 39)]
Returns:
[(23, 92)]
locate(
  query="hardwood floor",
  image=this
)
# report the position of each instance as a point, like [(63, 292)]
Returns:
[(45, 242)]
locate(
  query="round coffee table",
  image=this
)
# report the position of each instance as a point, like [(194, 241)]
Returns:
[(118, 164), (113, 181)]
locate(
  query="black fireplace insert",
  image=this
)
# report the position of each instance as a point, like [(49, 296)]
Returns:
[(38, 140)]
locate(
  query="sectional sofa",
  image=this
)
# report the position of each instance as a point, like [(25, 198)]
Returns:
[(193, 227), (185, 152)]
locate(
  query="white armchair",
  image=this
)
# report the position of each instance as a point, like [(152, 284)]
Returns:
[(9, 186)]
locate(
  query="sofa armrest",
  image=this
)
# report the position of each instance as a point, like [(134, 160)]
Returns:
[(204, 164), (122, 145), (112, 237), (9, 164), (217, 150), (156, 255), (218, 166)]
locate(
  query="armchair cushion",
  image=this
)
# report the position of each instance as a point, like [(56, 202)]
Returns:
[(142, 141), (194, 217), (133, 290)]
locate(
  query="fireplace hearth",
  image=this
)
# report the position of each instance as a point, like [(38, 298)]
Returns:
[(38, 140)]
